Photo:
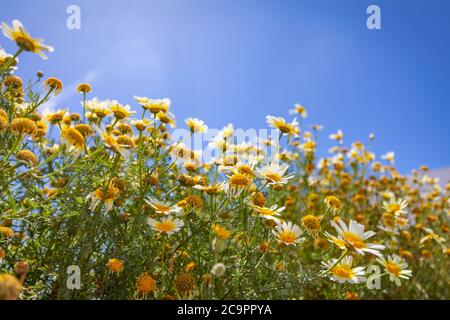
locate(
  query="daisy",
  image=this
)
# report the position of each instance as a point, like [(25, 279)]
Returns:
[(236, 184), (154, 105), (338, 136), (73, 140), (395, 267), (23, 39), (333, 204), (342, 271), (353, 237), (390, 156), (271, 213), (274, 173), (196, 125), (211, 189), (299, 109), (395, 206), (291, 129), (431, 235), (162, 207), (107, 197), (167, 225), (288, 233), (119, 111)]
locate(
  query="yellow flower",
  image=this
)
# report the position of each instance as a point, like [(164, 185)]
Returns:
[(168, 225), (185, 284), (291, 129), (23, 39), (145, 284), (120, 112), (53, 84), (73, 139), (299, 109), (6, 232), (333, 203), (311, 224), (115, 265), (27, 156), (196, 125), (221, 232), (84, 88), (23, 126), (288, 233), (10, 287)]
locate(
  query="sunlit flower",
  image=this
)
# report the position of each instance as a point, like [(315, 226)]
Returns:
[(154, 105), (312, 224), (236, 184), (72, 139), (107, 197), (338, 136), (221, 232), (211, 189), (84, 88), (291, 129), (272, 213), (162, 206), (145, 284), (23, 39), (196, 125), (395, 206), (167, 225), (343, 271), (53, 84), (333, 203), (395, 267), (23, 126), (288, 233), (119, 111), (299, 109), (354, 238), (390, 156), (432, 236), (115, 265), (274, 173), (28, 157)]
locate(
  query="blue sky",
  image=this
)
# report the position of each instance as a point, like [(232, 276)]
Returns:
[(237, 61)]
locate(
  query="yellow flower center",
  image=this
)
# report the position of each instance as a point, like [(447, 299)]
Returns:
[(394, 207), (165, 226), (239, 180), (343, 271), (354, 240), (26, 43), (392, 267), (161, 208), (275, 177), (287, 236)]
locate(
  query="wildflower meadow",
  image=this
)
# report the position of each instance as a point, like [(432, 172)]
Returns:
[(115, 202)]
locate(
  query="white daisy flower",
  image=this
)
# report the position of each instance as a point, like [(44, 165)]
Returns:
[(168, 225), (343, 272), (395, 267), (288, 233), (162, 206), (354, 238)]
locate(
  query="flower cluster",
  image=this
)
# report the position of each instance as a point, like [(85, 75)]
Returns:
[(146, 217)]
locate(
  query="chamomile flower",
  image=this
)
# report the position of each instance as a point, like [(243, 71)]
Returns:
[(162, 206), (354, 238), (395, 267), (106, 196), (167, 225), (299, 109), (270, 213), (274, 173), (390, 156), (119, 111), (395, 206), (338, 136), (23, 39), (196, 125), (290, 129), (154, 105), (343, 271), (288, 233)]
